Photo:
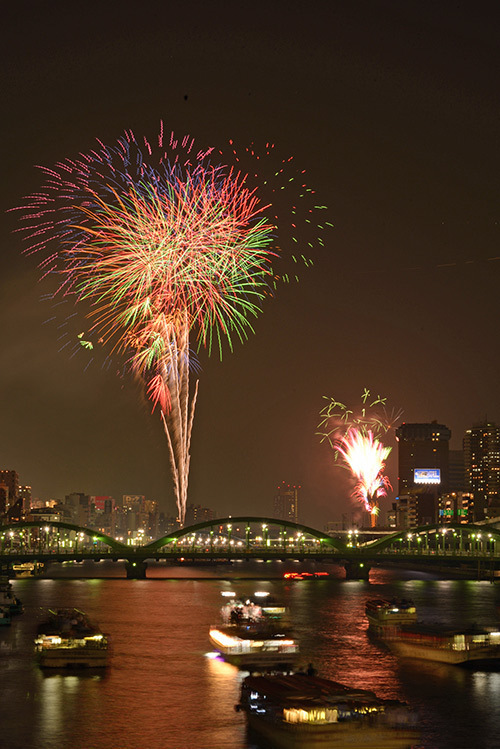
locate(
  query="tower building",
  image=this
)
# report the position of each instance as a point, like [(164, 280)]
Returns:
[(482, 463), (286, 503), (10, 479), (423, 457)]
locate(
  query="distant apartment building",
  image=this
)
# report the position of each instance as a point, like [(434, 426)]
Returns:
[(47, 514), (286, 503), (138, 514), (102, 514), (167, 524), (482, 463), (198, 514), (78, 506), (10, 479), (415, 509), (460, 507)]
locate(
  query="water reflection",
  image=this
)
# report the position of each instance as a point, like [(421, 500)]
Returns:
[(161, 692)]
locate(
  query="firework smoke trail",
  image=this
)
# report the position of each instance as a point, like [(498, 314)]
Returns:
[(158, 242), (364, 456)]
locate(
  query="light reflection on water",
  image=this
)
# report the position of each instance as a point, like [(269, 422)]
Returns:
[(161, 692)]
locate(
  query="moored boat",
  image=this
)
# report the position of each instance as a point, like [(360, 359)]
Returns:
[(8, 599), (5, 617), (254, 635), (26, 569), (68, 640), (464, 647), (306, 712), (383, 613)]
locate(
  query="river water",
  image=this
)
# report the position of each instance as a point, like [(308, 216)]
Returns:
[(161, 691)]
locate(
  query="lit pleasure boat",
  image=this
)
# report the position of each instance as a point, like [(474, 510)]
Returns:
[(383, 613), (305, 712), (254, 636), (466, 647), (68, 640)]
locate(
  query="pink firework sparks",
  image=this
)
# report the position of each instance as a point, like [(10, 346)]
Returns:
[(364, 456)]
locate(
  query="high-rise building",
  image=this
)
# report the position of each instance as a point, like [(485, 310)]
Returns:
[(423, 460), (11, 480), (482, 463), (25, 497), (286, 503)]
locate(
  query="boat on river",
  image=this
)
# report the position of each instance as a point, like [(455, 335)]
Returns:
[(254, 635), (307, 712), (67, 639), (5, 617), (7, 598), (472, 647), (383, 613)]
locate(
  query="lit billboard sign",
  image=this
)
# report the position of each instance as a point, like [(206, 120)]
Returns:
[(427, 475)]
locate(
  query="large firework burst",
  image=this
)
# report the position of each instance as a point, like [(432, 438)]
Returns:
[(162, 246), (364, 456), (354, 435)]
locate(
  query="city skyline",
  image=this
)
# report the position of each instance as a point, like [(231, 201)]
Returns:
[(393, 113), (440, 472)]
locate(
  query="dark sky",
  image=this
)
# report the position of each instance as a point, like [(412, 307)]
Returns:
[(393, 109)]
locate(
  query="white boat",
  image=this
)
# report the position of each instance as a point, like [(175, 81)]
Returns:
[(383, 613), (254, 635), (470, 647), (306, 712), (68, 640)]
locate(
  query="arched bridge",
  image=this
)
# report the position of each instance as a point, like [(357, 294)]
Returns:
[(247, 532), (251, 537)]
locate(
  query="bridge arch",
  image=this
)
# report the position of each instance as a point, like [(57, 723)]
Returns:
[(230, 523), (14, 528), (449, 534)]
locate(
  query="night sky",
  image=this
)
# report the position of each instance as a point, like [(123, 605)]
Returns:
[(393, 109)]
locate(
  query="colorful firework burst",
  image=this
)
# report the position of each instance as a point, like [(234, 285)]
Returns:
[(157, 242)]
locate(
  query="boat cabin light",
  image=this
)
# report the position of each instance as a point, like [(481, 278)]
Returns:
[(49, 639)]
